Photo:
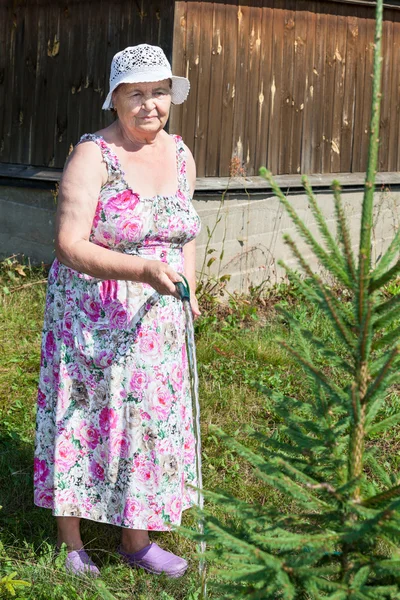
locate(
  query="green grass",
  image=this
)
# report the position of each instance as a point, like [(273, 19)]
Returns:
[(236, 347)]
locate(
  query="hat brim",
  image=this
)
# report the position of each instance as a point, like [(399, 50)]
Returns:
[(179, 89)]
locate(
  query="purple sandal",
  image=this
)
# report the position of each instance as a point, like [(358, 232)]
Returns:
[(79, 563), (155, 560)]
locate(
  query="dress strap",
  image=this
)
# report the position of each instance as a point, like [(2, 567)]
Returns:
[(181, 160), (110, 159)]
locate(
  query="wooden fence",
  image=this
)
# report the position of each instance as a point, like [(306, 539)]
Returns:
[(284, 83), (54, 65)]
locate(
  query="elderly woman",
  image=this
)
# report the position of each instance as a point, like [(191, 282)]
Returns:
[(114, 440)]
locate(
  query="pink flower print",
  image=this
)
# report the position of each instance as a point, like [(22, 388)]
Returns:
[(132, 509), (139, 381), (145, 415), (149, 345), (119, 444), (106, 234), (117, 315), (131, 229), (88, 435), (103, 359), (189, 448), (67, 335), (44, 497), (96, 470), (41, 400), (91, 308), (123, 201), (66, 496), (41, 471), (174, 507), (147, 473), (108, 420), (97, 215), (50, 346), (65, 456), (108, 291), (176, 377), (161, 400), (155, 523)]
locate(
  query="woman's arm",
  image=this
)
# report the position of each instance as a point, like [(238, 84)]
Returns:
[(80, 186)]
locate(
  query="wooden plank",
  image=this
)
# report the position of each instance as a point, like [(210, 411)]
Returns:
[(30, 47), (4, 68), (321, 33), (393, 4), (228, 89), (338, 90), (241, 107), (62, 133), (278, 27), (178, 62), (189, 115), (213, 137), (203, 88), (52, 70), (367, 102), (386, 116), (329, 88), (18, 95), (25, 172), (359, 90), (347, 129), (309, 98), (287, 87), (264, 95), (253, 88), (300, 84), (394, 135)]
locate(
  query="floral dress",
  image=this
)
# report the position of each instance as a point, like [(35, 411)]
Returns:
[(114, 434)]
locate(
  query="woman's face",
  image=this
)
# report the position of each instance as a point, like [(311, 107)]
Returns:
[(143, 107)]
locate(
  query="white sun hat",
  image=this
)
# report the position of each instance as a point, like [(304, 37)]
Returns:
[(142, 64)]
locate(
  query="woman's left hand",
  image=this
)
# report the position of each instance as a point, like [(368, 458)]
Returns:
[(194, 306)]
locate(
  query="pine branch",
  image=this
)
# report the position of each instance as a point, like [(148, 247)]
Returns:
[(382, 498), (333, 389), (381, 379), (322, 226), (387, 258), (365, 337), (325, 259), (321, 346), (364, 257), (377, 469), (329, 301), (387, 320), (384, 425), (379, 282), (343, 231), (387, 340)]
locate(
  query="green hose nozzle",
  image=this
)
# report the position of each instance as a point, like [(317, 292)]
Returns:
[(183, 288)]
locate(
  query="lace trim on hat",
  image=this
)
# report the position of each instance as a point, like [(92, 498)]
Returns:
[(134, 58)]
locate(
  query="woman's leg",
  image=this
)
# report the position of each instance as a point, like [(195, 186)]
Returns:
[(69, 533), (133, 540)]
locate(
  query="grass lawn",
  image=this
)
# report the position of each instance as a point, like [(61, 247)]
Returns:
[(236, 346)]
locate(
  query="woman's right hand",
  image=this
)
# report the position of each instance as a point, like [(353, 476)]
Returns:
[(161, 277)]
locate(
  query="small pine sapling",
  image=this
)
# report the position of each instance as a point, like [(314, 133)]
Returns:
[(340, 537)]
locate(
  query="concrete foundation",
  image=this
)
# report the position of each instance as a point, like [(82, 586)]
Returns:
[(240, 237)]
